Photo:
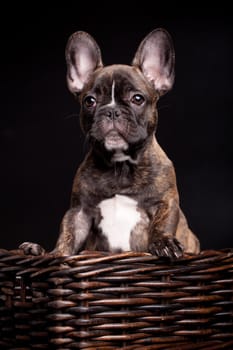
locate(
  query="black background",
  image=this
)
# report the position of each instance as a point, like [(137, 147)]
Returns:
[(41, 144)]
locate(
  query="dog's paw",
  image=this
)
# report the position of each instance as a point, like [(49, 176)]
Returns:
[(166, 247), (30, 248)]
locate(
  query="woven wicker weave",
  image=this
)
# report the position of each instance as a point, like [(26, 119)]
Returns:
[(125, 301)]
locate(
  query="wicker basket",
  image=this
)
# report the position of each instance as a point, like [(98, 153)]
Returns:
[(105, 301)]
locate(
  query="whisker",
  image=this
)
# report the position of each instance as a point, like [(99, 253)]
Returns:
[(159, 108), (71, 115)]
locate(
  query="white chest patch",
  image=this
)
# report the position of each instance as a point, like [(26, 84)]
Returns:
[(119, 217)]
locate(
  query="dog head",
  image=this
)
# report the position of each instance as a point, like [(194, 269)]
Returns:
[(118, 102)]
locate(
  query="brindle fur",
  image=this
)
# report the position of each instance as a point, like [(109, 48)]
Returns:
[(147, 175)]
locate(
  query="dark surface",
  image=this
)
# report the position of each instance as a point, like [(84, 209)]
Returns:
[(40, 138)]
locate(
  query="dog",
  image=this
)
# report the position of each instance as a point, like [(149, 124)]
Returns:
[(124, 195)]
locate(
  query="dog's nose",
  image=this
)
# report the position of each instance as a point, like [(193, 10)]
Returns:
[(113, 113)]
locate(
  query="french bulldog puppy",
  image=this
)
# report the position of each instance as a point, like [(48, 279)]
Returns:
[(124, 195)]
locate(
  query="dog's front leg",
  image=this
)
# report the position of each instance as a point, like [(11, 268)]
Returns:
[(75, 228), (162, 240)]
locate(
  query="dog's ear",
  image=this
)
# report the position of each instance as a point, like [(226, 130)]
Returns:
[(83, 57), (155, 57)]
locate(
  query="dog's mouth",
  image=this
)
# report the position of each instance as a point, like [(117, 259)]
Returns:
[(113, 141)]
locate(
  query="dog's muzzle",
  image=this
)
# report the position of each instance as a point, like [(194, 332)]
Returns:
[(114, 127)]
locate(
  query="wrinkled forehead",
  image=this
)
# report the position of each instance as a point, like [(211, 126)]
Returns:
[(125, 78)]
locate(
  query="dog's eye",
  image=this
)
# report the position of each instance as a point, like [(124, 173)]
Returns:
[(137, 99), (90, 101)]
